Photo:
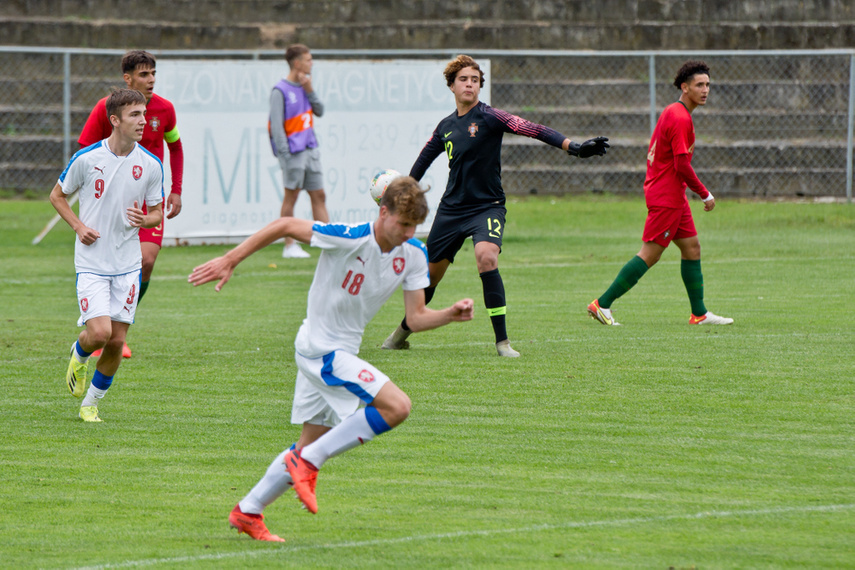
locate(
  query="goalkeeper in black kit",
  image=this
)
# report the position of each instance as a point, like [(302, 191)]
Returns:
[(473, 204)]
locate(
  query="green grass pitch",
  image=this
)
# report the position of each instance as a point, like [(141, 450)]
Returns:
[(650, 445)]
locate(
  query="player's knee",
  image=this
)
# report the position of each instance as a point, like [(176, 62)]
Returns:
[(650, 260), (98, 337), (399, 409), (115, 343), (487, 262)]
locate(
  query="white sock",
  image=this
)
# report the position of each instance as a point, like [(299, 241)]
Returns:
[(275, 482), (354, 430), (93, 394)]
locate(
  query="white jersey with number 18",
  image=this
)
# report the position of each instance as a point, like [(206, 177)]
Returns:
[(352, 281)]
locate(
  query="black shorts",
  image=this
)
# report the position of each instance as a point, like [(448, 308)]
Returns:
[(449, 231)]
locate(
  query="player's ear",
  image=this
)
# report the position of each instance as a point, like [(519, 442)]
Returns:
[(127, 78)]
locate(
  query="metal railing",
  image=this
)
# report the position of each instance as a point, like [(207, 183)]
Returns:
[(778, 123)]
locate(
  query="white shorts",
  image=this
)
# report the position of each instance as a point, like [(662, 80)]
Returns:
[(115, 296), (302, 171), (332, 387)]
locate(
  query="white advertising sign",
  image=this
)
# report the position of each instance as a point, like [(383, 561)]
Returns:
[(377, 115)]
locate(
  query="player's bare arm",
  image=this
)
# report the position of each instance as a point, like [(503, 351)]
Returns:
[(221, 268), (421, 318), (140, 219), (86, 235)]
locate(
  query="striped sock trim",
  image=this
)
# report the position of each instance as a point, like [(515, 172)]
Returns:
[(375, 421), (101, 381)]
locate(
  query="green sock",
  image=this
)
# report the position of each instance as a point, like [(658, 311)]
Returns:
[(143, 289), (625, 280), (690, 270)]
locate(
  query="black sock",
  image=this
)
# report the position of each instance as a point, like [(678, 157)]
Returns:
[(494, 300)]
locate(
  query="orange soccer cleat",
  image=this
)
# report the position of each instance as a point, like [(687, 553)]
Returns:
[(251, 524), (601, 314), (305, 476)]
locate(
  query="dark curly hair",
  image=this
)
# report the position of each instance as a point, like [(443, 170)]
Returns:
[(689, 70), (459, 63)]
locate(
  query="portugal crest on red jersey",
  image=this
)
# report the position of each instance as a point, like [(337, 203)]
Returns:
[(398, 265), (137, 172)]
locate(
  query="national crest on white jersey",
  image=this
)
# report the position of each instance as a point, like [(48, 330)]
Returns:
[(137, 172), (398, 265)]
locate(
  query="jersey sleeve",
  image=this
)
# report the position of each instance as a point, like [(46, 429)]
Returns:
[(97, 126), (176, 149), (680, 131), (418, 276), (428, 154), (338, 236), (72, 178), (316, 103), (509, 123), (170, 127), (154, 188), (277, 116), (684, 169)]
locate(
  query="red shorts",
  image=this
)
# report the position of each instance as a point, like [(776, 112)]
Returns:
[(153, 235), (666, 224)]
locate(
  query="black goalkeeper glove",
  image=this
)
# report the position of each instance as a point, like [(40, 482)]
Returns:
[(596, 146)]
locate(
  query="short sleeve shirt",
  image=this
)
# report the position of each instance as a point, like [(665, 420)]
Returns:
[(352, 281), (108, 186)]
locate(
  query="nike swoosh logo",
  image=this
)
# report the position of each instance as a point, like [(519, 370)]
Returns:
[(448, 134)]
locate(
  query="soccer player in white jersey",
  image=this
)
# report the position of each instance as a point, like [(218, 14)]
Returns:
[(115, 177), (341, 400)]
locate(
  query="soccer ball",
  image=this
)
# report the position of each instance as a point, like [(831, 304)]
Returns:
[(380, 182)]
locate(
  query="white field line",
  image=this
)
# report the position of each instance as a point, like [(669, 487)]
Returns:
[(466, 534)]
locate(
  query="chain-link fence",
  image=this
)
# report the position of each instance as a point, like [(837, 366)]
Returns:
[(777, 123)]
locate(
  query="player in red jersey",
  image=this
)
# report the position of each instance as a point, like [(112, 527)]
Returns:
[(139, 68), (669, 218)]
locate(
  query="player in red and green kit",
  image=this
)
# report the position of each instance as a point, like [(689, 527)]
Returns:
[(138, 69), (669, 218)]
